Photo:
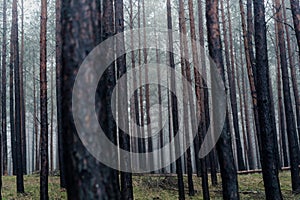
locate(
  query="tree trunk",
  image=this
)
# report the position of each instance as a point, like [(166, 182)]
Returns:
[(233, 100), (296, 18), (269, 167), (51, 118), (86, 177), (15, 42), (289, 113), (43, 102), (292, 68), (224, 148), (58, 92), (282, 127), (22, 94), (4, 126), (126, 178), (174, 105)]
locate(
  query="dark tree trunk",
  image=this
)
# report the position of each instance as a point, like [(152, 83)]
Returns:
[(58, 92), (292, 68), (43, 102), (269, 165), (15, 42), (3, 100), (86, 177), (22, 93), (174, 105), (224, 148), (289, 113), (296, 18), (126, 178)]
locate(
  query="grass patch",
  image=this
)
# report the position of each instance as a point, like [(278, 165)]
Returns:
[(151, 188)]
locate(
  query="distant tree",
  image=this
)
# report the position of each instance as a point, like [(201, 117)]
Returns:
[(269, 165)]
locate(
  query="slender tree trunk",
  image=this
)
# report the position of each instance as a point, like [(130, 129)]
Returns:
[(126, 178), (43, 101), (200, 97), (224, 148), (58, 92), (280, 105), (4, 127), (231, 80), (213, 166), (22, 94), (188, 97), (292, 68), (15, 41), (290, 118), (174, 105), (269, 166), (250, 67)]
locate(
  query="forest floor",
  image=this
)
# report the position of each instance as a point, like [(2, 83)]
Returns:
[(150, 188)]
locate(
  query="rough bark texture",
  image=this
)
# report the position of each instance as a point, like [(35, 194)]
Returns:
[(86, 177), (269, 166), (43, 101), (224, 148)]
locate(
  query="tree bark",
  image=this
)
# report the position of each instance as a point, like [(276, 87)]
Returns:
[(86, 177), (224, 148), (126, 178), (4, 126), (269, 166), (15, 46), (289, 113), (174, 105), (296, 19), (43, 102)]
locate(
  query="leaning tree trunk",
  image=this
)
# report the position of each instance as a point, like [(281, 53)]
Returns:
[(224, 148), (269, 167)]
